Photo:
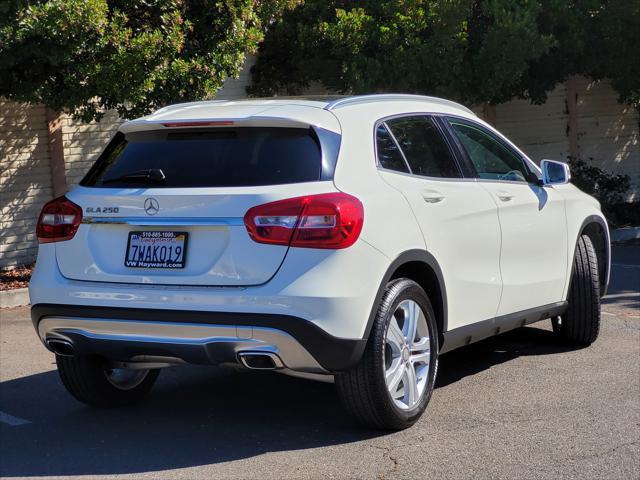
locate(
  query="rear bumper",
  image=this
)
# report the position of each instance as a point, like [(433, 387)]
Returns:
[(333, 289), (201, 337)]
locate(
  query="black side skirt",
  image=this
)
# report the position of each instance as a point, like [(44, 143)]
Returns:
[(459, 337)]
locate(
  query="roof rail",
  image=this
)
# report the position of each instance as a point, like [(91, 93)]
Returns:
[(385, 97)]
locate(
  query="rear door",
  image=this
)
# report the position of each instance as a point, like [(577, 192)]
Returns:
[(166, 206), (458, 218), (532, 219)]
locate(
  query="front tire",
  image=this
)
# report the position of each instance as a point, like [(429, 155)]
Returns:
[(392, 385), (580, 324), (91, 381)]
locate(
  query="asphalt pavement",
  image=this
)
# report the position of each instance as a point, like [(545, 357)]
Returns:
[(520, 405)]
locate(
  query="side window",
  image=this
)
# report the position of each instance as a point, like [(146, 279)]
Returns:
[(492, 159), (389, 155), (424, 147)]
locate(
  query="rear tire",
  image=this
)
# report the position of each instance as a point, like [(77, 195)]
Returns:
[(90, 381), (580, 324), (392, 384)]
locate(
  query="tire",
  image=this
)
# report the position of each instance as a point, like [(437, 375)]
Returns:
[(363, 389), (90, 382), (580, 324)]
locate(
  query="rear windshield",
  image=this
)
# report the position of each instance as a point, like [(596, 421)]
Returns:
[(223, 157)]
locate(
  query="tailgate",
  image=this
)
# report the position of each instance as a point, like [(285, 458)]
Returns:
[(218, 249)]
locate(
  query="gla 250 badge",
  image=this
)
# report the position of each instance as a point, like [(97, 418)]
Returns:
[(102, 209)]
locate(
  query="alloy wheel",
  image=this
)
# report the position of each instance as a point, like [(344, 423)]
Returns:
[(125, 378), (407, 355)]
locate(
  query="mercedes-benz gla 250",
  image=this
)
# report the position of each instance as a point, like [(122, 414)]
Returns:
[(352, 240)]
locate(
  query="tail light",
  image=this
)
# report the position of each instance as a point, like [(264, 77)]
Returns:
[(59, 220), (328, 220)]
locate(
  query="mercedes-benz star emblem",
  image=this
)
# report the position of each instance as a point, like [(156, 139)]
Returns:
[(151, 206)]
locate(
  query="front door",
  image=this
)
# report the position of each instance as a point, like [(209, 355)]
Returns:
[(533, 258)]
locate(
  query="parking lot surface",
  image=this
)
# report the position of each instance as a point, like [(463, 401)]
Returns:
[(520, 405)]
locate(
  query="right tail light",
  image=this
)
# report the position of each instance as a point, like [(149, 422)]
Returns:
[(326, 220)]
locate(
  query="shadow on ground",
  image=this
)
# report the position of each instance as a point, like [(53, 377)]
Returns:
[(199, 416)]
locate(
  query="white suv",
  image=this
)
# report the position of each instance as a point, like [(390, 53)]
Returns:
[(353, 239)]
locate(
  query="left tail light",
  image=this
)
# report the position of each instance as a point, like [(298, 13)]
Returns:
[(59, 220), (327, 220)]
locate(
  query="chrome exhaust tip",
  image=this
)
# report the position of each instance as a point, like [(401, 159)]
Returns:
[(260, 360), (60, 347)]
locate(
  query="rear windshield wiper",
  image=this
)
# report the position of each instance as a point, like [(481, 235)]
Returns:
[(151, 175)]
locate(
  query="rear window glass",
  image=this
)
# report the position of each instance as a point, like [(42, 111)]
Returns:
[(424, 147), (225, 157), (389, 155)]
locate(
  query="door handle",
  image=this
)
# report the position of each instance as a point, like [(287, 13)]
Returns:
[(432, 196), (504, 196)]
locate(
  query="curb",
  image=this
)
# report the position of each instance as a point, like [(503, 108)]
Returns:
[(626, 234), (14, 298)]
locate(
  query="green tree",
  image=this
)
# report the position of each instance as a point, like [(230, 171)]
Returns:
[(85, 56), (474, 51)]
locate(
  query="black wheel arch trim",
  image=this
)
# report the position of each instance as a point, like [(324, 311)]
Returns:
[(604, 283), (406, 257)]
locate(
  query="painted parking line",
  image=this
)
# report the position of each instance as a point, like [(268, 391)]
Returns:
[(11, 420)]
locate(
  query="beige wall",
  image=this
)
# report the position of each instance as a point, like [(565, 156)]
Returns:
[(607, 136), (25, 180), (608, 131)]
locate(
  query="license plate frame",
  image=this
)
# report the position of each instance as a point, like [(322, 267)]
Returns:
[(153, 256)]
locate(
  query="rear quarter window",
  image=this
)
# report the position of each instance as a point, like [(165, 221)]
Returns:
[(223, 157)]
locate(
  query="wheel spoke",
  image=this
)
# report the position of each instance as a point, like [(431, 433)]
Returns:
[(410, 386), (422, 357), (398, 394), (421, 345), (394, 374), (412, 313), (395, 338)]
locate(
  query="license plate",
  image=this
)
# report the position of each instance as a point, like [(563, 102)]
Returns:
[(156, 250)]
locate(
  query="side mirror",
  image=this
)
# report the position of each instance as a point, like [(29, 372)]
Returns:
[(554, 173)]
